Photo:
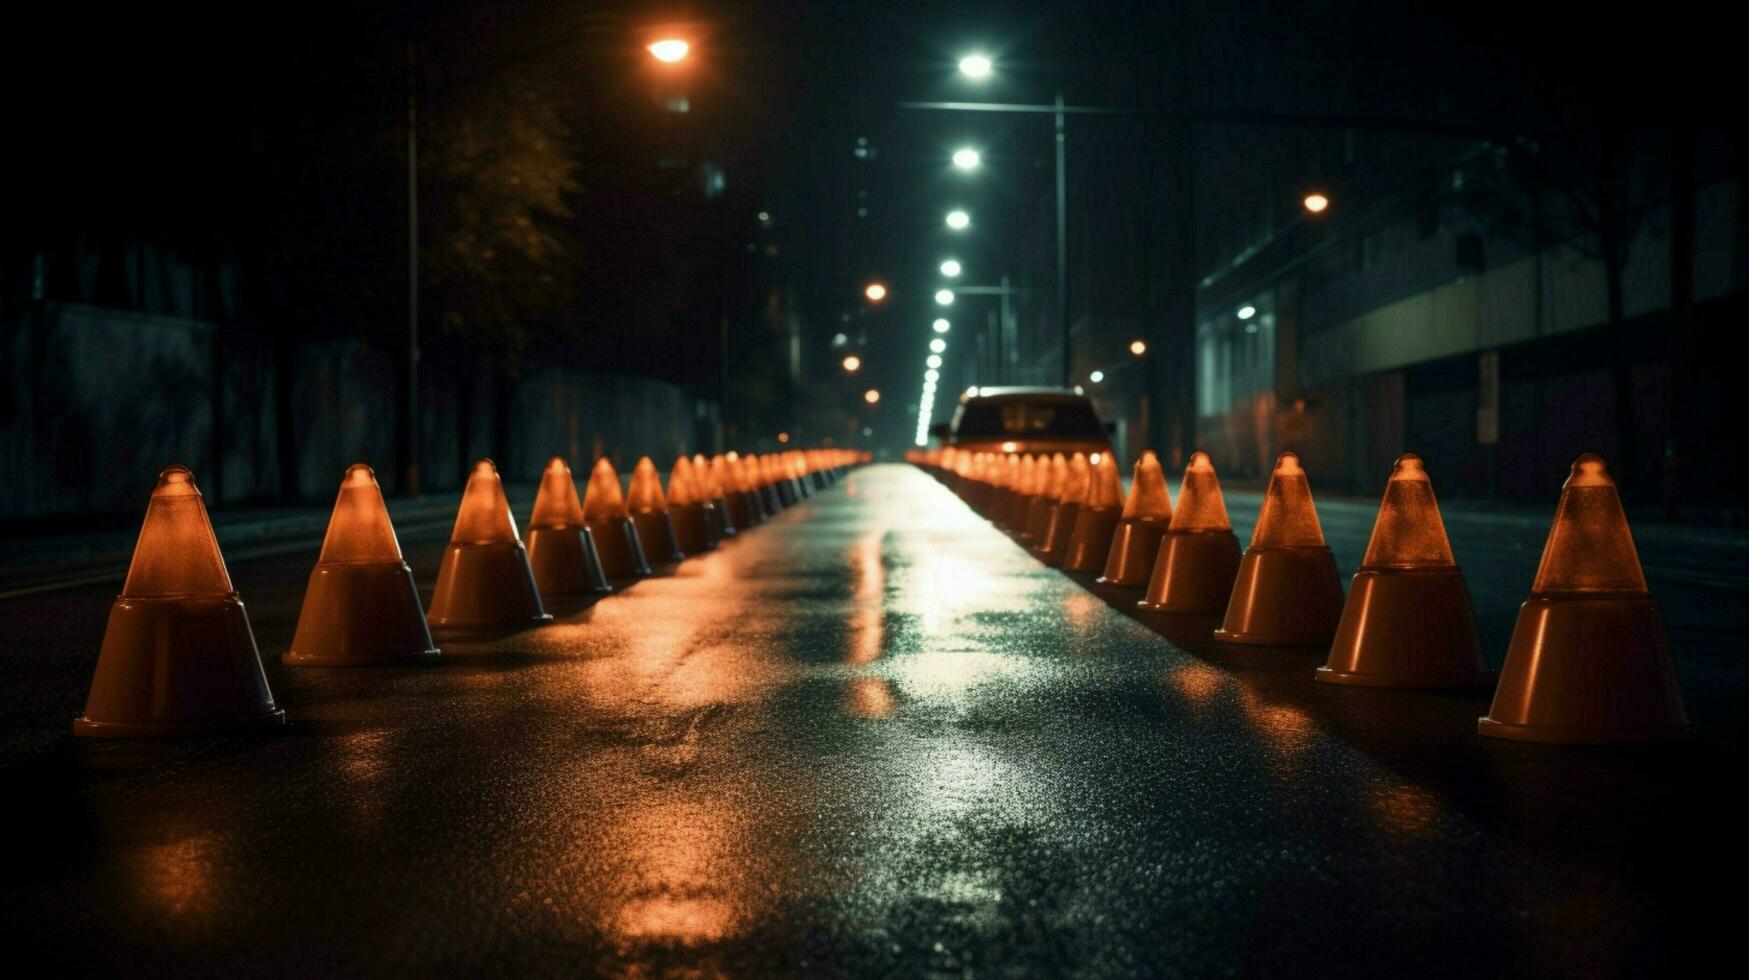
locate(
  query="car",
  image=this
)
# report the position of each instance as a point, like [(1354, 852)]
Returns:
[(1025, 420)]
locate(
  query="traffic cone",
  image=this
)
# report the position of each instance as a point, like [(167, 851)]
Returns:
[(178, 656), (561, 548), (361, 608), (1588, 664), (1287, 592), (485, 580), (1025, 487), (1052, 476), (1146, 513), (616, 537), (715, 494), (1050, 546), (757, 470), (1199, 555), (693, 529), (744, 501), (649, 512), (1408, 620), (1004, 471), (1096, 521)]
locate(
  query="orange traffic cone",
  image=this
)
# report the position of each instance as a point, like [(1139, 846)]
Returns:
[(361, 608), (1090, 541), (1408, 620), (1053, 474), (756, 468), (1199, 556), (1050, 546), (649, 510), (1024, 488), (561, 548), (616, 537), (1146, 513), (1287, 592), (716, 496), (1588, 664), (485, 580), (742, 511), (178, 656), (693, 529), (1004, 473)]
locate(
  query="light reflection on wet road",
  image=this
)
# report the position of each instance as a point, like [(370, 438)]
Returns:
[(871, 736)]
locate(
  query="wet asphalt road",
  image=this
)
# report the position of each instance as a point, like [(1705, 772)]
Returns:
[(871, 737)]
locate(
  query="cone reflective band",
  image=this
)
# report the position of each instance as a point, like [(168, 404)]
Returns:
[(1199, 554), (1287, 592), (1408, 621), (1049, 547), (178, 656), (485, 580), (616, 537), (362, 607), (1038, 513), (1588, 663), (1146, 513), (649, 510), (561, 548), (1090, 541), (686, 509)]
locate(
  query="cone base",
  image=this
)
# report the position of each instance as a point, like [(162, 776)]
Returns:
[(361, 615), (565, 562), (484, 586), (656, 534), (1038, 519), (1587, 670), (717, 515), (177, 666), (1193, 574), (1407, 628), (1055, 540), (1090, 542), (1135, 545), (617, 544), (1285, 597), (692, 530)]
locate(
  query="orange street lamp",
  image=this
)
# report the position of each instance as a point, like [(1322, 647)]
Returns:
[(852, 363), (875, 291), (669, 50), (1316, 203), (871, 396), (1138, 347)]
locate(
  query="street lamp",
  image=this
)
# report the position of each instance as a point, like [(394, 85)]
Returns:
[(967, 158), (1138, 347), (933, 360), (941, 325), (875, 292), (944, 297), (871, 396), (958, 220), (930, 377), (951, 268), (1247, 311), (1096, 377), (976, 66), (669, 50), (937, 346), (852, 364), (1316, 203)]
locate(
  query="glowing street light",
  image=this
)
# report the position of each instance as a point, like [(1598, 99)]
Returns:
[(930, 377), (958, 220), (944, 297), (852, 363), (933, 360), (941, 325), (871, 396), (1138, 347), (669, 50), (976, 66), (937, 346), (951, 268), (875, 292), (1316, 203), (967, 158), (1096, 377), (1247, 312)]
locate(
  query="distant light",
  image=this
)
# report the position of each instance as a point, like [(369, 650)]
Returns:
[(839, 340), (1096, 377), (1079, 391), (871, 396), (967, 158), (875, 292), (958, 220), (1138, 347), (933, 360), (931, 376), (976, 66), (670, 50), (941, 325), (921, 440), (783, 437), (867, 431), (1247, 312), (1093, 459), (765, 217), (944, 297), (1316, 203), (950, 268), (852, 363), (937, 345)]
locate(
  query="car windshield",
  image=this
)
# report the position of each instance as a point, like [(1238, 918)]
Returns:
[(1023, 420)]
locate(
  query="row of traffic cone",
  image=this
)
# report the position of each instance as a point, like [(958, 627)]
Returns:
[(1587, 662), (178, 654)]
